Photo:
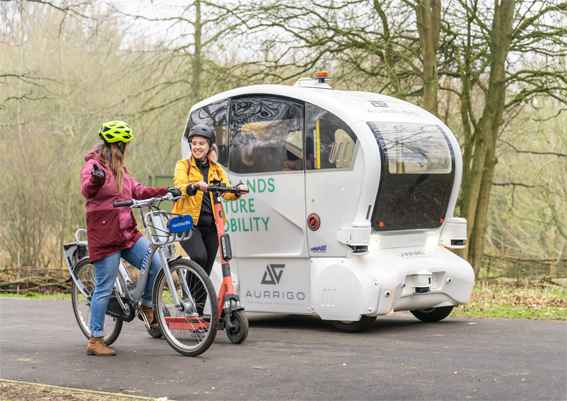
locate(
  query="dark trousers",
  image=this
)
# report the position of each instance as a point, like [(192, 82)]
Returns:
[(202, 246)]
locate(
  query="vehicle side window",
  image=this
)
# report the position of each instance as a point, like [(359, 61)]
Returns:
[(213, 115), (266, 134), (330, 143)]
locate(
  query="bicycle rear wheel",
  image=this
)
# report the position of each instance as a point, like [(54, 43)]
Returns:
[(189, 332), (84, 271)]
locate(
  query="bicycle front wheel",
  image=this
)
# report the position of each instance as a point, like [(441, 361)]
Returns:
[(81, 300), (190, 331)]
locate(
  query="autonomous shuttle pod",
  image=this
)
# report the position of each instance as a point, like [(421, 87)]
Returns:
[(350, 211)]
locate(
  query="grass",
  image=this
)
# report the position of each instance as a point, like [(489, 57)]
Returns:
[(535, 301), (540, 301), (11, 390), (58, 296)]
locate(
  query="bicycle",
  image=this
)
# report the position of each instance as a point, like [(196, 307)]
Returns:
[(189, 327)]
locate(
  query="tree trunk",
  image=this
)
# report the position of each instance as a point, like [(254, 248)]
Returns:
[(196, 62), (428, 13), (476, 204), (389, 52), (476, 247)]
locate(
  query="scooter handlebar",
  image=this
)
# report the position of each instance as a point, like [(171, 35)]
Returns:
[(219, 188)]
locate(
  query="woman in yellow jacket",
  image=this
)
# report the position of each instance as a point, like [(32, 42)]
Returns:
[(191, 177)]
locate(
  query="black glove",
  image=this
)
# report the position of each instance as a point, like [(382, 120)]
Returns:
[(175, 192), (241, 189), (191, 190), (97, 175)]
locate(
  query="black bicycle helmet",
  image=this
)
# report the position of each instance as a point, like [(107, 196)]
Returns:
[(202, 130)]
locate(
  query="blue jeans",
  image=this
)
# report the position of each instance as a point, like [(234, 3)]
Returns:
[(106, 271)]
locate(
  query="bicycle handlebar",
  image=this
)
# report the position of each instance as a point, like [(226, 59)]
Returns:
[(143, 202), (123, 203)]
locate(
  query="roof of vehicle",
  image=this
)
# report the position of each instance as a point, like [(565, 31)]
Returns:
[(349, 105)]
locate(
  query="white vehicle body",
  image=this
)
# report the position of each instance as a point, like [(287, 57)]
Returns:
[(384, 194)]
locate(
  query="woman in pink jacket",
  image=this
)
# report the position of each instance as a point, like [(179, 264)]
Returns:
[(112, 232)]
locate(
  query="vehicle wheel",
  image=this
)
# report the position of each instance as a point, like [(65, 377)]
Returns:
[(154, 332), (189, 332), (363, 324), (238, 333), (432, 314), (84, 271)]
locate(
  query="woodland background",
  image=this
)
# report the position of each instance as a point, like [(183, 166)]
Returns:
[(494, 71)]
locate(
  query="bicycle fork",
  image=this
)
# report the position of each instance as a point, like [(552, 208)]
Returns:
[(187, 304)]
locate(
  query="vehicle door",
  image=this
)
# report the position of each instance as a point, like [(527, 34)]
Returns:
[(267, 227), (332, 188)]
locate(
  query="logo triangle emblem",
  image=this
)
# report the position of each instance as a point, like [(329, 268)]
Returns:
[(273, 274), (270, 279)]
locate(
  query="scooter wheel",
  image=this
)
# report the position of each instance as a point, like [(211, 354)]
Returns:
[(238, 333)]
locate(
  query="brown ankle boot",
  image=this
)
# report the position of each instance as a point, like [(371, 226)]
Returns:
[(150, 316), (96, 346)]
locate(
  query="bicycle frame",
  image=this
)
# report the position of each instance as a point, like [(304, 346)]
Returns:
[(147, 207), (72, 253)]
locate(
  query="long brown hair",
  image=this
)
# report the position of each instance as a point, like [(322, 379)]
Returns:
[(113, 158)]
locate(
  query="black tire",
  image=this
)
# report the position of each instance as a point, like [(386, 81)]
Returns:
[(154, 332), (189, 334), (363, 324), (84, 271), (433, 314), (239, 332)]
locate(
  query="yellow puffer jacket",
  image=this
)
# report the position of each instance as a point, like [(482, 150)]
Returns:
[(192, 204)]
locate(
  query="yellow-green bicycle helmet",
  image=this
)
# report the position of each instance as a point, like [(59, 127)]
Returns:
[(116, 131)]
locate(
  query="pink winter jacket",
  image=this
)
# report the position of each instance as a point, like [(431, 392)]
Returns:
[(110, 229)]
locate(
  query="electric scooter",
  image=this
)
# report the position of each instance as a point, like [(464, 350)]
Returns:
[(231, 313)]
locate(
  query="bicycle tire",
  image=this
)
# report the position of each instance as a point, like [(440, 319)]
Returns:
[(84, 271), (189, 334), (154, 332)]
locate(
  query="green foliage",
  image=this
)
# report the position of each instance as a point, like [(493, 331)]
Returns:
[(56, 296), (516, 302)]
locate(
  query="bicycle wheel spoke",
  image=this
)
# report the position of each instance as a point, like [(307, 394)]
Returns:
[(82, 303), (187, 330)]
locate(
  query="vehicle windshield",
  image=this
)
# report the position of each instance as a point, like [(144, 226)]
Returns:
[(417, 176)]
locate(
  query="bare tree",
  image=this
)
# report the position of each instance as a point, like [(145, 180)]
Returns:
[(494, 64)]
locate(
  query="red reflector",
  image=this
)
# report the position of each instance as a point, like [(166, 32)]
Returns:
[(313, 221)]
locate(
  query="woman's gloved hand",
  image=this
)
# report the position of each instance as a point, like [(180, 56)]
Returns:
[(191, 189), (97, 175), (197, 186), (242, 188)]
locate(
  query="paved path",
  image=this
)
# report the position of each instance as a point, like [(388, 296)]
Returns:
[(297, 358)]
